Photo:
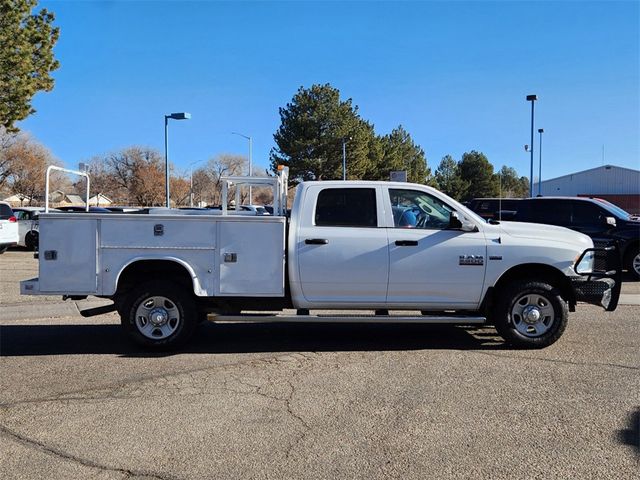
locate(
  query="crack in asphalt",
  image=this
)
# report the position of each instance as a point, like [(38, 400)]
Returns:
[(557, 360), (84, 394), (286, 402), (111, 392), (302, 421), (56, 452)]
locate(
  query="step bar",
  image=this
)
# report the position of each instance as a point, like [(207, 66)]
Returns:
[(356, 318)]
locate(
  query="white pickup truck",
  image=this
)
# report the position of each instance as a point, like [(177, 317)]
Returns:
[(383, 251)]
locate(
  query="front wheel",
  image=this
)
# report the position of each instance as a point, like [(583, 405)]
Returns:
[(531, 314), (632, 262), (159, 315)]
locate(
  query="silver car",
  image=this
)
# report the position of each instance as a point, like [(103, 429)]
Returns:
[(28, 226)]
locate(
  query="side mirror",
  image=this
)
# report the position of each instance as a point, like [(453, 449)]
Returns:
[(611, 221), (454, 221), (456, 224)]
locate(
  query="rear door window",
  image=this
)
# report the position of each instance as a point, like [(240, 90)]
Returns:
[(587, 214), (551, 212), (346, 207)]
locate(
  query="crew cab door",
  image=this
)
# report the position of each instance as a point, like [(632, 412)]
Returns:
[(431, 265), (341, 252)]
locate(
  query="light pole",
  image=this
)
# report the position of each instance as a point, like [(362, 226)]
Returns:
[(532, 99), (540, 131), (250, 161), (191, 181), (173, 116), (344, 157)]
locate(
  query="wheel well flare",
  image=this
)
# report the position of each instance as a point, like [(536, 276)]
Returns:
[(146, 270), (541, 272)]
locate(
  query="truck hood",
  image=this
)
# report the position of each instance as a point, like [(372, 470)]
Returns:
[(539, 231)]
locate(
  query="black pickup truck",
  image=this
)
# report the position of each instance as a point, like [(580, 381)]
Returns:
[(603, 221)]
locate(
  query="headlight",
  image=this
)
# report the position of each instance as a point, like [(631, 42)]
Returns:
[(586, 264)]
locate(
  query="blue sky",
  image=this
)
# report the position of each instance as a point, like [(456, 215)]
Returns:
[(454, 74)]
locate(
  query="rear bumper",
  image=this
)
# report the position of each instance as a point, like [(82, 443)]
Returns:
[(602, 285)]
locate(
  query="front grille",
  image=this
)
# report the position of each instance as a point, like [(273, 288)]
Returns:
[(600, 258)]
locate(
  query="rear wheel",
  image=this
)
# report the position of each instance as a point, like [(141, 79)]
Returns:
[(531, 314), (31, 241), (159, 315)]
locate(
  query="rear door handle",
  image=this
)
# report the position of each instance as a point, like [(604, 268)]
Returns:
[(407, 243), (316, 241)]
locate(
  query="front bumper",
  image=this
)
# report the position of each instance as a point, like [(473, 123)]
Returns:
[(602, 285)]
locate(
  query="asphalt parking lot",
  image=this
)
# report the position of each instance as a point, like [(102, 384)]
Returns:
[(313, 401)]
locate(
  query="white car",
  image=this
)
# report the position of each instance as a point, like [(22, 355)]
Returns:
[(8, 227), (28, 226), (257, 209)]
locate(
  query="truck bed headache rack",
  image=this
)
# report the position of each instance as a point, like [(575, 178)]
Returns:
[(279, 185)]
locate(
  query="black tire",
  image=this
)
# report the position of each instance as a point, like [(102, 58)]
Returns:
[(515, 314), (31, 241), (173, 307), (631, 257)]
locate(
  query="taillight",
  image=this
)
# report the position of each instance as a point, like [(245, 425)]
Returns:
[(13, 219)]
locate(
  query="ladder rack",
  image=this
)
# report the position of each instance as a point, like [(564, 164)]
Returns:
[(279, 185)]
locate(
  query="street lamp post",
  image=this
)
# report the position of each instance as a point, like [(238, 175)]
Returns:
[(540, 131), (191, 181), (173, 116), (344, 157), (250, 161), (532, 99)]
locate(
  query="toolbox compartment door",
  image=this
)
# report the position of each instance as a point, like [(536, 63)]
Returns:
[(250, 258), (67, 256)]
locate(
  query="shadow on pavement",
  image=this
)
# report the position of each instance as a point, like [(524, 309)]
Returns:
[(631, 435), (20, 340)]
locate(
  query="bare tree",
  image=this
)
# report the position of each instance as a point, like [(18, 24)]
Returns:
[(179, 191), (225, 165), (7, 160), (132, 175), (202, 186), (24, 164)]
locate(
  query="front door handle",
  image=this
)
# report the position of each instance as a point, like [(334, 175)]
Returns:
[(407, 243), (316, 241)]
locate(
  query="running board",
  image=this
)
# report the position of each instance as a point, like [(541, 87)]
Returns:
[(328, 318)]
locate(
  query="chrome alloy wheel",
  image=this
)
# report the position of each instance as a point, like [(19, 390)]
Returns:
[(635, 263), (532, 315), (157, 318)]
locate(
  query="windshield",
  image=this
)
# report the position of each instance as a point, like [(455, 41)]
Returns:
[(616, 210)]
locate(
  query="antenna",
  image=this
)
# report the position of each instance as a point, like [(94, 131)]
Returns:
[(500, 198)]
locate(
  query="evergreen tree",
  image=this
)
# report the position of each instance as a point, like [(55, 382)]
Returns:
[(448, 180), (511, 185), (400, 152), (26, 58), (313, 127), (476, 170)]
